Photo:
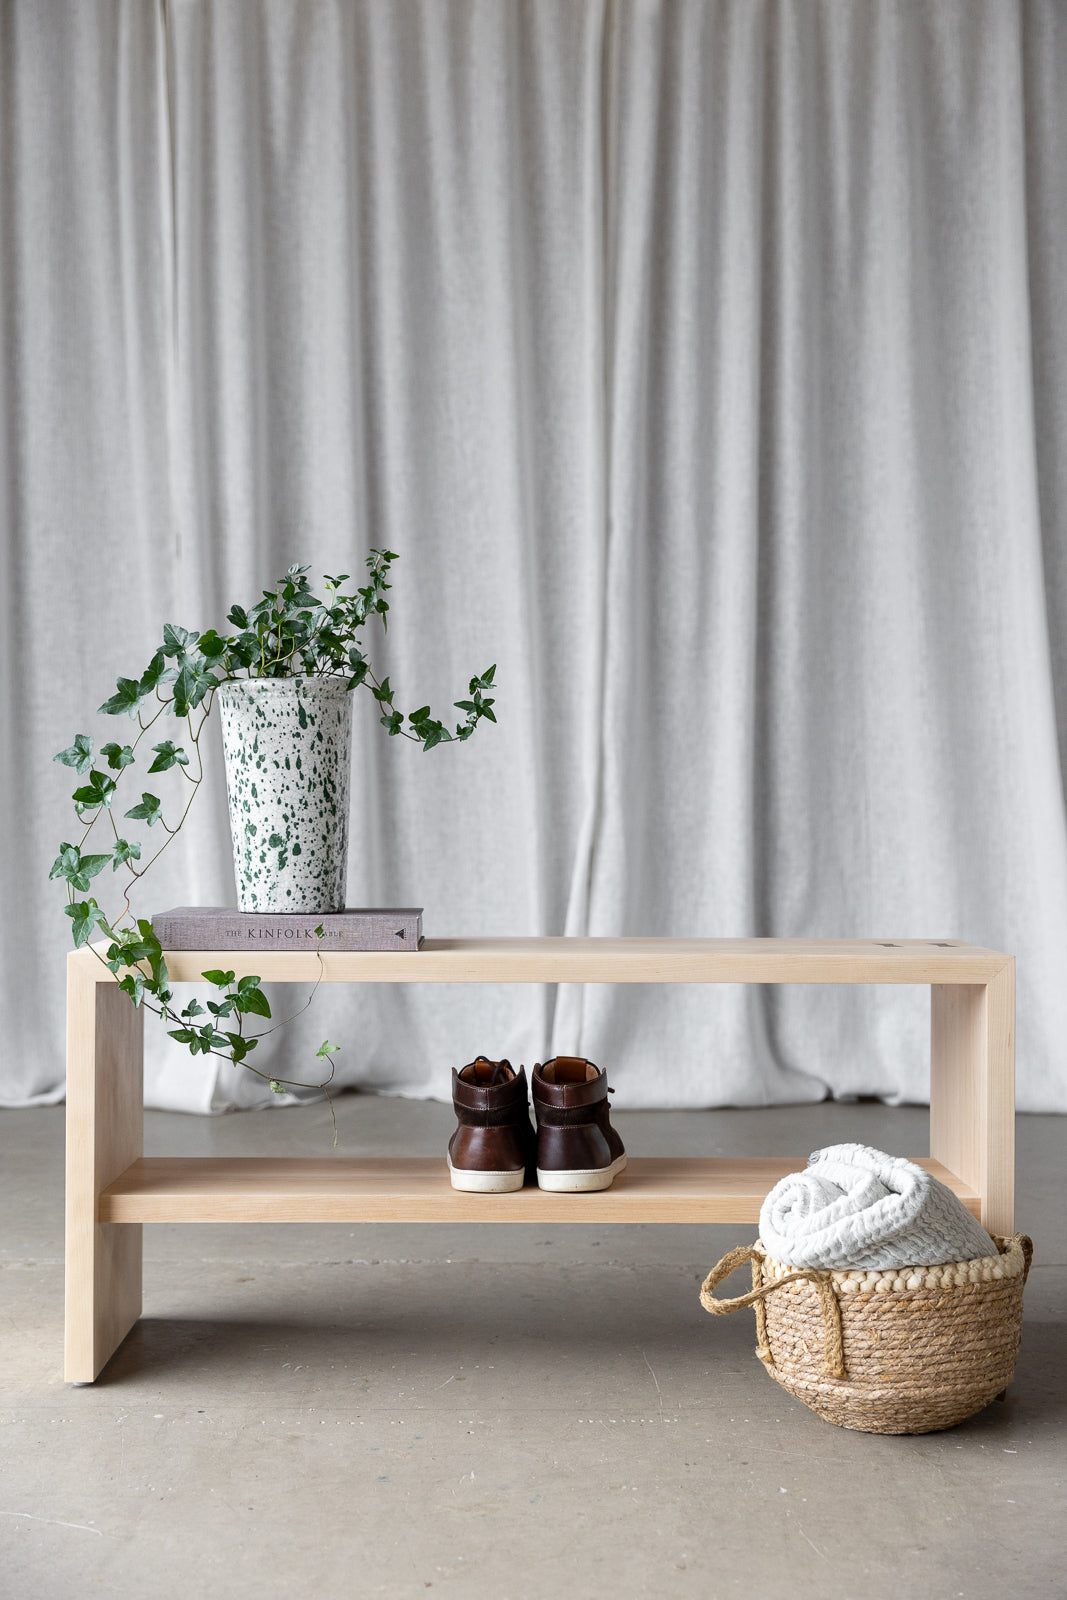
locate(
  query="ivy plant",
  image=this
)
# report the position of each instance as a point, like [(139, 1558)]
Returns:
[(287, 633)]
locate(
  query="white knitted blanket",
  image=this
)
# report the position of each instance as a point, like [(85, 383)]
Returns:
[(857, 1207)]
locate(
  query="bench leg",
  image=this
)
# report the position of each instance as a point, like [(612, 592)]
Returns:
[(972, 1090), (105, 1133)]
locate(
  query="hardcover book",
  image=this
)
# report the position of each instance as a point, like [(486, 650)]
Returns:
[(220, 928)]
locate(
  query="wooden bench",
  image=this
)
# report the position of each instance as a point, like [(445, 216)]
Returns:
[(112, 1188)]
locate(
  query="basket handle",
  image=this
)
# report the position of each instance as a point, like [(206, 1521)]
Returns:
[(831, 1311)]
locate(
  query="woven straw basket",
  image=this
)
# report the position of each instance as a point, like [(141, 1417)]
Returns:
[(908, 1350)]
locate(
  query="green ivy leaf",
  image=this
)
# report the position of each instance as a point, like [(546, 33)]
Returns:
[(220, 979), (97, 792), (176, 641), (242, 652), (326, 1050), (150, 810), (133, 984), (141, 944), (67, 863), (191, 685), (393, 723), (153, 951), (127, 698), (118, 755), (76, 868), (250, 998), (78, 755), (211, 645), (156, 673), (128, 949), (168, 755), (123, 851), (85, 915)]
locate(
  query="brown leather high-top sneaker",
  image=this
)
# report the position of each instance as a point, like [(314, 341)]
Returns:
[(577, 1148), (493, 1148)]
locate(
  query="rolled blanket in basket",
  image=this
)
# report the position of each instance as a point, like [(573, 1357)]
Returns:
[(857, 1207)]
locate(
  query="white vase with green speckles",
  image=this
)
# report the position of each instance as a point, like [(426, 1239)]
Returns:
[(288, 749)]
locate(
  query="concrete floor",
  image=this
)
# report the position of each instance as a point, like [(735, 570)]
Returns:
[(492, 1412)]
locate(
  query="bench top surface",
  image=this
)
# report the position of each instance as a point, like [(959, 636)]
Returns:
[(599, 960)]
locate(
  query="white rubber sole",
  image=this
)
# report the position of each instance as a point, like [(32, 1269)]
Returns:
[(581, 1182), (485, 1182)]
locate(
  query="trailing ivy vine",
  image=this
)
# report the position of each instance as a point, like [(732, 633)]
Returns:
[(288, 633)]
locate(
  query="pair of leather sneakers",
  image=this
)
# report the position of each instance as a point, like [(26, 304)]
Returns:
[(495, 1148)]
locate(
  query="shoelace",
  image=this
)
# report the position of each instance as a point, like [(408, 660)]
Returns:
[(497, 1066)]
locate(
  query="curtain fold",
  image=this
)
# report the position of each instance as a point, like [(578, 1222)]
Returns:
[(703, 360)]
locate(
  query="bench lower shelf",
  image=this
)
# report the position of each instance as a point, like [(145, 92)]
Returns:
[(416, 1189)]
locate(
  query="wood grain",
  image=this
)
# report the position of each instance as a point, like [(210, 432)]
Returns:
[(631, 960), (416, 1189), (105, 1124), (972, 1090)]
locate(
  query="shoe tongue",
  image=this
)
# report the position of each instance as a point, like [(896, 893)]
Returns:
[(486, 1074), (569, 1069)]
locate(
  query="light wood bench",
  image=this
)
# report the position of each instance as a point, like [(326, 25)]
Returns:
[(112, 1188)]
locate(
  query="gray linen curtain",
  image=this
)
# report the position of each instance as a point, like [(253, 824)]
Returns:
[(706, 364)]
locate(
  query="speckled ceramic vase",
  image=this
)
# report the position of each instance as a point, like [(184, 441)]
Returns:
[(288, 749)]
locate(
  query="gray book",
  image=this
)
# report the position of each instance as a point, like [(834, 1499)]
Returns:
[(220, 928)]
